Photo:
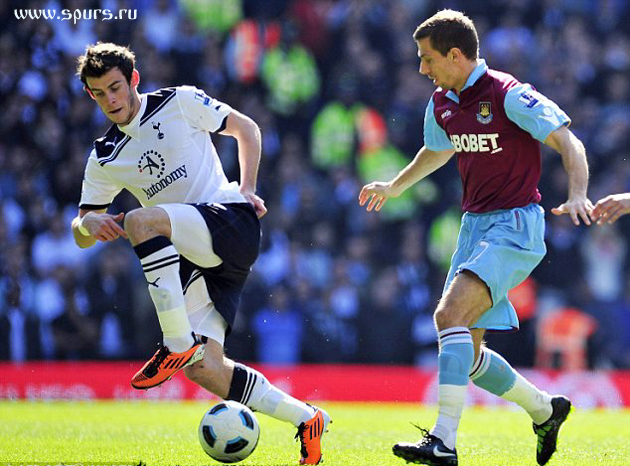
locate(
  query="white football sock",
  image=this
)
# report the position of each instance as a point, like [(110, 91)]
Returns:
[(452, 398), (536, 402), (160, 263), (252, 389)]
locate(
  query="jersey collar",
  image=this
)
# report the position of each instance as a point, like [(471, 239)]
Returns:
[(133, 128), (477, 73)]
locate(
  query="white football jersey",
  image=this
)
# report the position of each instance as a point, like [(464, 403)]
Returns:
[(165, 155)]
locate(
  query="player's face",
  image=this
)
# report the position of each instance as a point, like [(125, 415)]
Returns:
[(116, 97), (436, 66)]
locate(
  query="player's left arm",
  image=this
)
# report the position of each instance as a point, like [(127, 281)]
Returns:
[(545, 121), (209, 114), (247, 134), (563, 141)]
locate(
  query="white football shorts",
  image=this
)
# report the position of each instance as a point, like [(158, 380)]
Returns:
[(191, 238)]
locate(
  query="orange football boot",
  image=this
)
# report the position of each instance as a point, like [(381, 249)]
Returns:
[(164, 364), (310, 434)]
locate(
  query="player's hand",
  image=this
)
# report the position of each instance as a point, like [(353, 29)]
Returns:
[(576, 208), (104, 227), (377, 192), (256, 201), (610, 208)]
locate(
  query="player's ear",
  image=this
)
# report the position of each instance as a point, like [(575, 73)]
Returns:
[(135, 78), (89, 91)]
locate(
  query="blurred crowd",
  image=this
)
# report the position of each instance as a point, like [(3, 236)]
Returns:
[(334, 86)]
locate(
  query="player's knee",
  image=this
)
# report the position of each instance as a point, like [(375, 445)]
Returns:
[(442, 318), (133, 221), (145, 223), (447, 317)]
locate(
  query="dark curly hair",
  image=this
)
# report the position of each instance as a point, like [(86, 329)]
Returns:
[(102, 57)]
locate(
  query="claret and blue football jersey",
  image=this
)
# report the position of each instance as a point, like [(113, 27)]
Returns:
[(495, 126)]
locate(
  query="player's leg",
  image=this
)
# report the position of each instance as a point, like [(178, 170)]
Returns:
[(149, 231), (234, 381), (464, 301), (494, 374), (515, 246), (230, 237), (466, 298), (238, 382)]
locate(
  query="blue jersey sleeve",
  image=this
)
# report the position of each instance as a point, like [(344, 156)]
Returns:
[(534, 112), (435, 137)]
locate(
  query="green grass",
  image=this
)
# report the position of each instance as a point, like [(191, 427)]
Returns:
[(159, 433)]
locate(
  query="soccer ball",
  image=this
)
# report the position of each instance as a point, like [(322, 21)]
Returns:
[(229, 432)]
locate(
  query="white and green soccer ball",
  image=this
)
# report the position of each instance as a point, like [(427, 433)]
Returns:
[(229, 432)]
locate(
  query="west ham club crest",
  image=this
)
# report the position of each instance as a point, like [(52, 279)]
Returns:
[(484, 115)]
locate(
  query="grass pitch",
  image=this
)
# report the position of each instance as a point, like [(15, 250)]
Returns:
[(165, 434)]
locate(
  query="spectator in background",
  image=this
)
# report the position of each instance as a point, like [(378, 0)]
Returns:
[(344, 294), (562, 240), (55, 247), (290, 73), (382, 314), (278, 328), (358, 266), (314, 255), (72, 36), (110, 296), (51, 297), (217, 16), (19, 326), (327, 337), (412, 269), (620, 338), (160, 25), (75, 331), (604, 252), (413, 275)]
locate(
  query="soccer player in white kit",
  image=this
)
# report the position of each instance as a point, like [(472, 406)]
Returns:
[(196, 234)]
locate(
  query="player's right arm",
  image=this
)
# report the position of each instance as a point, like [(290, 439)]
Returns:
[(98, 225), (424, 163), (97, 193), (437, 150)]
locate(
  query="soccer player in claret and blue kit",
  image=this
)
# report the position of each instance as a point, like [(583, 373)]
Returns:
[(495, 125), (196, 235)]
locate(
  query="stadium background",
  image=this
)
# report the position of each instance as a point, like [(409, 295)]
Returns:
[(334, 86)]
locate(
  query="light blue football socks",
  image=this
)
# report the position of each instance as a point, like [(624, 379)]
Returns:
[(494, 374), (454, 363)]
